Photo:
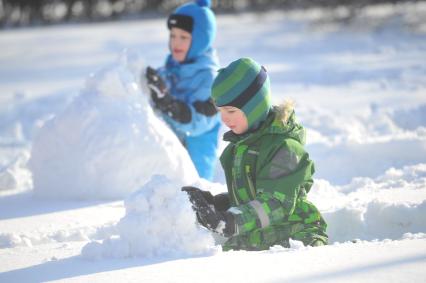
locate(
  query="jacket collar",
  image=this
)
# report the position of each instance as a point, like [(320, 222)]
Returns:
[(273, 125)]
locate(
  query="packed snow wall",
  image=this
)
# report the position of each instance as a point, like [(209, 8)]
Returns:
[(108, 142)]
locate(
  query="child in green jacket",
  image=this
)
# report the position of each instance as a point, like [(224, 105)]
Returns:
[(268, 172)]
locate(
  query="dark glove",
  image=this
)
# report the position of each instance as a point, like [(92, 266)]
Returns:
[(163, 101), (217, 221), (220, 201), (156, 84), (193, 191)]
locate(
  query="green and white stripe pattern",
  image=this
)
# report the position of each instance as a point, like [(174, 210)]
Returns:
[(244, 84)]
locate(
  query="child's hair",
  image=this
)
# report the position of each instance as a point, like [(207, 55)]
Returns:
[(285, 109), (244, 84), (198, 19)]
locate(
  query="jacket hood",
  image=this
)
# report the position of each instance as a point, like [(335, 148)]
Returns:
[(204, 27)]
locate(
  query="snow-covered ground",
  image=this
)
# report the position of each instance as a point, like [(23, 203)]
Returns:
[(90, 177)]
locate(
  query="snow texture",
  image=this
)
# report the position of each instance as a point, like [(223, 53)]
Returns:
[(107, 143), (358, 84), (159, 222)]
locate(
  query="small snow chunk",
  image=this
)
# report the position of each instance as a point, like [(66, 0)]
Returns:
[(7, 180), (159, 221), (296, 245)]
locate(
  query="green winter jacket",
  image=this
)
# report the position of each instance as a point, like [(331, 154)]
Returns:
[(268, 174)]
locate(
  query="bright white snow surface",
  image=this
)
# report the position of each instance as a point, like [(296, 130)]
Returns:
[(90, 177), (110, 140)]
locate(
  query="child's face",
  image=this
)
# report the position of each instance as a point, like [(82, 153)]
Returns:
[(234, 118), (180, 42)]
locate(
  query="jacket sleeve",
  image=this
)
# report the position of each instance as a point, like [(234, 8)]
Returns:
[(278, 184), (199, 107)]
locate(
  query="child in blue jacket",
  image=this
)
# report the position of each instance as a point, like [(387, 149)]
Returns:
[(181, 89)]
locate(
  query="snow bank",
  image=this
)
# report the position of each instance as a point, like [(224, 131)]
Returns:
[(12, 240), (24, 115), (159, 221), (14, 174), (344, 146), (342, 162), (377, 220), (108, 142), (386, 207)]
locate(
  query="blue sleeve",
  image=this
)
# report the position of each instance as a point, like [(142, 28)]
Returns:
[(198, 92)]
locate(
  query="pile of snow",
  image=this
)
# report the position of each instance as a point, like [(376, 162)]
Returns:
[(108, 142), (359, 90), (159, 221), (21, 118), (386, 207), (344, 146), (14, 175), (13, 240)]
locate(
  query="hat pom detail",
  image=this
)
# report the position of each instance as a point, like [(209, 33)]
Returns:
[(203, 3)]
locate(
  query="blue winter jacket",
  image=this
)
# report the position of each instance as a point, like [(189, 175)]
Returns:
[(191, 83)]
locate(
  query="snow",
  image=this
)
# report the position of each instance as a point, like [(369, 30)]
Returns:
[(104, 137), (386, 207), (90, 177), (158, 204)]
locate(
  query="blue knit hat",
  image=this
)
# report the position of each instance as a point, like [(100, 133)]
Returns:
[(198, 19), (244, 84)]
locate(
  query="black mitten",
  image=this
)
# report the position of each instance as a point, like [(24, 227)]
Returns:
[(190, 190), (163, 101), (156, 84), (221, 202), (217, 221)]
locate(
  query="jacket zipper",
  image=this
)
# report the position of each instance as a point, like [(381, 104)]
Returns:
[(234, 188), (250, 182)]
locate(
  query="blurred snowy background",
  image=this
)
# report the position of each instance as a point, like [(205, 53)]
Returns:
[(81, 152)]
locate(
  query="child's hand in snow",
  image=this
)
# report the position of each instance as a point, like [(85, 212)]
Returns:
[(155, 83), (222, 222)]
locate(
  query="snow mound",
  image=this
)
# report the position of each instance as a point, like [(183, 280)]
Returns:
[(397, 137), (411, 118), (108, 141), (378, 220), (24, 115), (14, 175), (386, 207), (159, 221), (11, 240)]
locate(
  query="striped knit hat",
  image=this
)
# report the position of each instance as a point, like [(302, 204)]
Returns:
[(244, 84)]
